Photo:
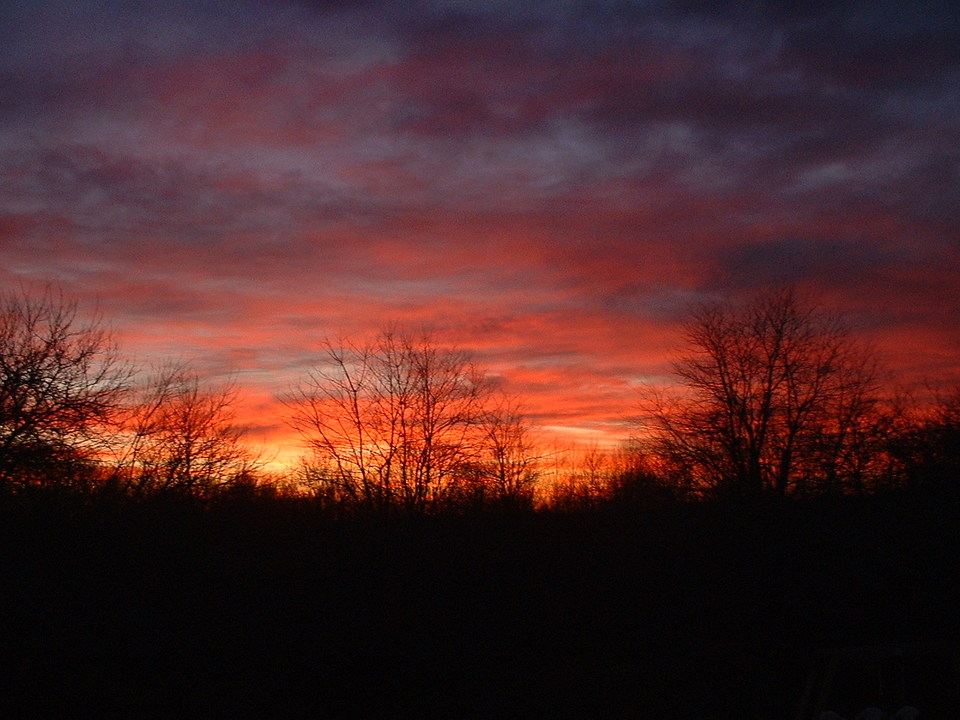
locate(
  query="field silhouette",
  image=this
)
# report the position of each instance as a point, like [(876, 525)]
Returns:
[(267, 607)]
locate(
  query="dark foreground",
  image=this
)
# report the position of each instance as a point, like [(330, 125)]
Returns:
[(268, 609)]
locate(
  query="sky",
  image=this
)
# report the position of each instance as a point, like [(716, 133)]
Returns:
[(549, 185)]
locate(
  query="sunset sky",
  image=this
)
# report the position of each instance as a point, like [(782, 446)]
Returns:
[(547, 184)]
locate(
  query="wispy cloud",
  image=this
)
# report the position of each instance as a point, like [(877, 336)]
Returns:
[(549, 184)]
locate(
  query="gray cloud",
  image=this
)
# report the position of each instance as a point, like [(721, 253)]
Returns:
[(589, 166), (793, 260)]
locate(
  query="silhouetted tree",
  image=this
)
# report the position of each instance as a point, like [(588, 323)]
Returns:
[(320, 483), (777, 398), (61, 381), (510, 465), (641, 479), (182, 436), (582, 479), (926, 446), (402, 423)]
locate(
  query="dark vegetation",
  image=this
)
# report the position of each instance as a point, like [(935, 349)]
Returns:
[(149, 569), (269, 608)]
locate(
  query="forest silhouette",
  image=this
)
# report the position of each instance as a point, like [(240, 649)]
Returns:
[(778, 507)]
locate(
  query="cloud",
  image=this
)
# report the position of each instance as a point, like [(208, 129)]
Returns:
[(902, 297), (549, 184), (807, 260)]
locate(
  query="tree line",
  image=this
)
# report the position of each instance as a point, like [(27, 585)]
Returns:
[(772, 398)]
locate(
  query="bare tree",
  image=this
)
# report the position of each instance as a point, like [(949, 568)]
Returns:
[(512, 459), (505, 472), (182, 436), (642, 478), (397, 423), (582, 478), (777, 399), (925, 444), (61, 381)]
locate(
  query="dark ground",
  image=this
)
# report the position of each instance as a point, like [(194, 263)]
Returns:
[(269, 609)]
